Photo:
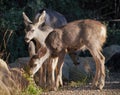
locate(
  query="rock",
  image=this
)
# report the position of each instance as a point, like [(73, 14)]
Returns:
[(4, 67), (76, 72), (109, 51), (65, 69), (113, 63), (20, 62), (87, 65), (19, 79), (11, 80), (7, 85)]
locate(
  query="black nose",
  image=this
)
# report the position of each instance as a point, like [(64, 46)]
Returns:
[(26, 39)]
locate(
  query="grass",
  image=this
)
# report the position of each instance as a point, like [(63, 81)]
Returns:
[(82, 82), (32, 88)]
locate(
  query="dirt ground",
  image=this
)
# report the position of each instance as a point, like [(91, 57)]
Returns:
[(112, 87)]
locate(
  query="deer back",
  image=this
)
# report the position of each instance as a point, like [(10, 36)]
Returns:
[(77, 34)]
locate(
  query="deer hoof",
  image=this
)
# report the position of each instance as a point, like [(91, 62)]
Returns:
[(101, 86), (95, 84), (53, 89)]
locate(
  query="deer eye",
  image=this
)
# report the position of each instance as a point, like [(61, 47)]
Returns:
[(34, 65), (32, 30), (43, 24)]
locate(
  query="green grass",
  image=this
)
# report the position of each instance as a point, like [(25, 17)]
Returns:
[(32, 88), (79, 83)]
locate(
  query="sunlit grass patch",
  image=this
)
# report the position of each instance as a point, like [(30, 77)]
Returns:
[(32, 88)]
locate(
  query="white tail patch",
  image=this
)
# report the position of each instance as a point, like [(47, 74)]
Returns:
[(103, 31)]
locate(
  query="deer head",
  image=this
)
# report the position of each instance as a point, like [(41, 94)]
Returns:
[(33, 28), (35, 61)]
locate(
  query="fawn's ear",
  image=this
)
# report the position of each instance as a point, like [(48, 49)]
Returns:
[(41, 52), (27, 21)]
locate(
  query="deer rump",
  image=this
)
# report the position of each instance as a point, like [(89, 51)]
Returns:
[(77, 35)]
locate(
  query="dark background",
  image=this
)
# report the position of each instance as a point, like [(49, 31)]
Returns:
[(12, 33)]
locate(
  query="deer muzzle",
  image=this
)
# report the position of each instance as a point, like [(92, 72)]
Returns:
[(27, 40)]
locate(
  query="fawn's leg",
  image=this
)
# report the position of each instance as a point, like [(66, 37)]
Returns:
[(59, 69)]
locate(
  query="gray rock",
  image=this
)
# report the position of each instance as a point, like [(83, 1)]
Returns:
[(20, 62), (11, 80), (76, 72), (110, 51)]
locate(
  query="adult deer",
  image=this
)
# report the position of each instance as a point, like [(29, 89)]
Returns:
[(77, 35), (53, 19)]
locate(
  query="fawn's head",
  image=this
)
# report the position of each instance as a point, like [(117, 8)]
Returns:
[(34, 63), (32, 28)]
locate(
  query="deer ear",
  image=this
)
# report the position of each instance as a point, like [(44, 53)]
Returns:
[(41, 52), (42, 18), (27, 21)]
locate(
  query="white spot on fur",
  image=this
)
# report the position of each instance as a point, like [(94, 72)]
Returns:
[(54, 62), (103, 31)]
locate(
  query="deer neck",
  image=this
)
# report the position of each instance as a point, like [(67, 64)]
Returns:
[(42, 35), (43, 59)]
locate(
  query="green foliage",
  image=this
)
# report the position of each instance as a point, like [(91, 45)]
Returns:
[(113, 36), (11, 19), (70, 8), (32, 88), (76, 84)]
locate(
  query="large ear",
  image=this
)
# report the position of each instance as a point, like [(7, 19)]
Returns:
[(41, 52), (27, 21), (42, 18)]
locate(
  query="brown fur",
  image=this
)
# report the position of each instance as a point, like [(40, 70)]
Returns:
[(89, 34), (75, 35), (54, 19)]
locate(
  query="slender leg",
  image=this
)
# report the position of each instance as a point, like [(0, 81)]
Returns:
[(59, 69), (60, 76), (40, 76), (54, 64), (51, 66), (100, 68), (49, 74), (44, 74), (102, 71), (97, 74)]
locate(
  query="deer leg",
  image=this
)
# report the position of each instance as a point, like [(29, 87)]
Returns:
[(49, 74), (100, 69), (97, 74), (41, 77), (59, 69), (54, 64), (60, 76), (44, 75)]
